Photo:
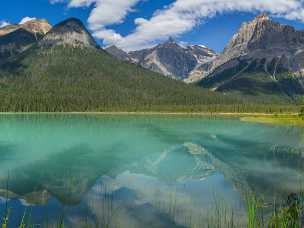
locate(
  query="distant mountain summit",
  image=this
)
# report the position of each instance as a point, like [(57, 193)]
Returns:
[(263, 33), (172, 59), (168, 58), (264, 56), (70, 32)]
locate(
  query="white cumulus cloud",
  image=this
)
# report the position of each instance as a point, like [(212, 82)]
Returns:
[(183, 15), (26, 19), (175, 19), (109, 36), (104, 13)]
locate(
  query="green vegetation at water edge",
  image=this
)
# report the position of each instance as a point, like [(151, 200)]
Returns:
[(294, 120), (287, 215)]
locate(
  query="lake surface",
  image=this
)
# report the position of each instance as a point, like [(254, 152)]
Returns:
[(135, 171)]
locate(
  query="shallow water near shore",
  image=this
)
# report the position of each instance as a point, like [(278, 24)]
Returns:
[(142, 171)]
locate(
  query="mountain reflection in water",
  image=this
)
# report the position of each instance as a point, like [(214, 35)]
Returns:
[(141, 171)]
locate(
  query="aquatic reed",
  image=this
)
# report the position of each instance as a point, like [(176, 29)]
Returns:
[(289, 214)]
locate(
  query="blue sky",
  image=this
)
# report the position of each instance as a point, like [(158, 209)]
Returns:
[(134, 24)]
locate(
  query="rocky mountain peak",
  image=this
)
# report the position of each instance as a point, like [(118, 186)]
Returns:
[(246, 33), (70, 25), (170, 43), (37, 26), (70, 32), (40, 26), (263, 17), (263, 33), (172, 59)]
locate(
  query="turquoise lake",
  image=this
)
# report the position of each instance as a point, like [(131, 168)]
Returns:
[(142, 171)]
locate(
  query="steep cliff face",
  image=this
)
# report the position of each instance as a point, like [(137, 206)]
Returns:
[(261, 47), (70, 32)]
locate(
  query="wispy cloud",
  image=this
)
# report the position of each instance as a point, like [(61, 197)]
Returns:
[(173, 20)]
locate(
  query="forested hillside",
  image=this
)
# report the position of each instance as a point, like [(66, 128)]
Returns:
[(75, 79)]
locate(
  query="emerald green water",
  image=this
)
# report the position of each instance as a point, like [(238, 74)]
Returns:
[(136, 171)]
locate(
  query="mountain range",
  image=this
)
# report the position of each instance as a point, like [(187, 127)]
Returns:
[(62, 68), (168, 58), (65, 70), (262, 57)]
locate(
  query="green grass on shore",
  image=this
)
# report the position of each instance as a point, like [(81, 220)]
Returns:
[(293, 120)]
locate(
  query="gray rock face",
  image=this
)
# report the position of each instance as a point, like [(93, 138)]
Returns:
[(263, 33), (260, 46), (171, 59), (202, 53), (205, 57), (70, 32)]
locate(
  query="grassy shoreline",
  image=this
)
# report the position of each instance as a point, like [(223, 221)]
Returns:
[(292, 120), (253, 114)]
